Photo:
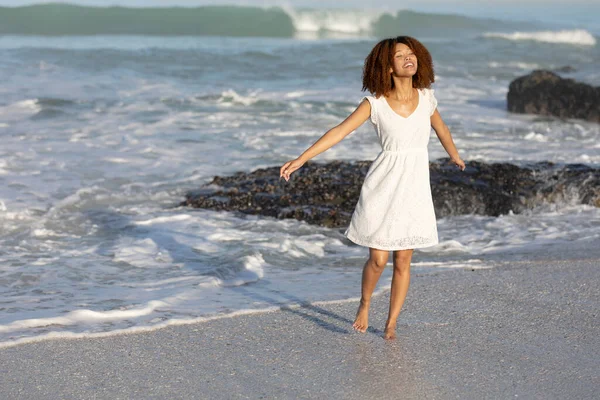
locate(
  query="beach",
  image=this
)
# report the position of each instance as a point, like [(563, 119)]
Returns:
[(525, 329), (113, 286), (107, 130)]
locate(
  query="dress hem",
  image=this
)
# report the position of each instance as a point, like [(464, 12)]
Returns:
[(386, 248)]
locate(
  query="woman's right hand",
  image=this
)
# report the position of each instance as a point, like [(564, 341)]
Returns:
[(289, 167)]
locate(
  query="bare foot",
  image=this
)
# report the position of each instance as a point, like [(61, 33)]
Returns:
[(389, 333), (361, 323)]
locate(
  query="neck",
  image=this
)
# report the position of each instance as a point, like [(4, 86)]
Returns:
[(403, 88)]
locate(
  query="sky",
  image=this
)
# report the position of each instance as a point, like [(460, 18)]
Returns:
[(394, 4)]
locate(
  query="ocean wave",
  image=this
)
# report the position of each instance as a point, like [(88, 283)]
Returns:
[(514, 64), (340, 21), (576, 36), (67, 19)]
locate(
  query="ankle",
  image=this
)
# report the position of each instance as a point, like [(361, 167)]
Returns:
[(365, 302)]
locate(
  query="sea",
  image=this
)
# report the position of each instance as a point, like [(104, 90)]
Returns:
[(109, 116)]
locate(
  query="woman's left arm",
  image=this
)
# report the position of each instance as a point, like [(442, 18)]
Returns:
[(443, 133)]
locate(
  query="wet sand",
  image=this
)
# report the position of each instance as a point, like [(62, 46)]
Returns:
[(527, 329)]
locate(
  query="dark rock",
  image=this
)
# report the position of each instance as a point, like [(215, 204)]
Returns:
[(546, 93), (326, 194)]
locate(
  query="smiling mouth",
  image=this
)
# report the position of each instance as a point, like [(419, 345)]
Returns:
[(407, 65)]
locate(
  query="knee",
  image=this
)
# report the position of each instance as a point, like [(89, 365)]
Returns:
[(402, 262), (402, 268), (378, 262)]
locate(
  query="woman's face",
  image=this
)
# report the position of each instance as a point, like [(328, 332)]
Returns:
[(404, 62)]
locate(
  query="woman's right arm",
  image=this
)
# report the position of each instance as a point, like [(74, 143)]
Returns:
[(330, 138)]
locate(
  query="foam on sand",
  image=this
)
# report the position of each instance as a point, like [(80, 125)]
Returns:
[(77, 316), (81, 315)]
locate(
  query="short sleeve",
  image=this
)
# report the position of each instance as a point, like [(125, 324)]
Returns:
[(373, 108), (432, 102)]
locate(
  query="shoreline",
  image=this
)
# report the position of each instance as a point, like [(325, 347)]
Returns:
[(487, 260), (170, 323), (522, 328)]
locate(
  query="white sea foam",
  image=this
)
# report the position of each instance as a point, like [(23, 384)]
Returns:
[(64, 335), (340, 21), (165, 219), (576, 37), (293, 95), (42, 233), (552, 224), (118, 160), (253, 271), (463, 264), (30, 104), (79, 316), (281, 254), (231, 97), (538, 137), (143, 253), (514, 64), (18, 110), (128, 331)]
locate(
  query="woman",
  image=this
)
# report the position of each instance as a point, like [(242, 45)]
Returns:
[(395, 209)]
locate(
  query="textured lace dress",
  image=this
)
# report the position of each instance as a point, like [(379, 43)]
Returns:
[(395, 209)]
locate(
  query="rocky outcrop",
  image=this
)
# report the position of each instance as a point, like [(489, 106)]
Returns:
[(326, 194), (546, 93)]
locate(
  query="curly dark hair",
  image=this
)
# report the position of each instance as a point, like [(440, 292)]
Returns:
[(376, 75)]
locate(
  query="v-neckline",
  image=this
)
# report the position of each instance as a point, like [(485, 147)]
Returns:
[(412, 113)]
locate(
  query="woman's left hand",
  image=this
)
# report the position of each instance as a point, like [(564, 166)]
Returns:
[(460, 163)]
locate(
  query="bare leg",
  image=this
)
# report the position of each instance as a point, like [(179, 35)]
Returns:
[(400, 283), (371, 273)]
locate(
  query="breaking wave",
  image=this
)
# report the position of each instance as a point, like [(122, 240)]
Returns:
[(576, 36), (69, 19)]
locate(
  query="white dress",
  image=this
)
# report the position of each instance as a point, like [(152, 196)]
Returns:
[(395, 208)]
